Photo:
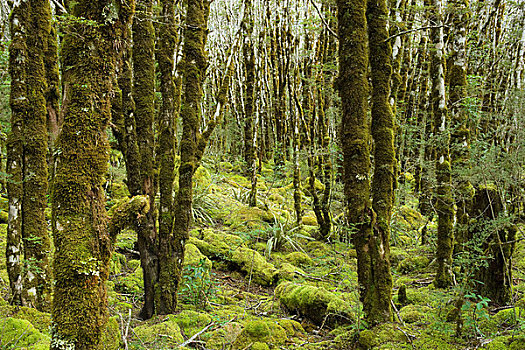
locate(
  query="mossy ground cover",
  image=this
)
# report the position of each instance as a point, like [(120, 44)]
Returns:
[(237, 294)]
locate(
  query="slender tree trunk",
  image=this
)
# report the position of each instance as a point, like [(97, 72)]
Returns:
[(383, 182), (355, 137), (170, 89), (444, 201), (460, 137), (144, 97), (20, 106), (83, 244)]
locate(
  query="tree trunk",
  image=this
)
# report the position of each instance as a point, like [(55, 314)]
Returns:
[(144, 97), (384, 156), (444, 201), (170, 89), (83, 245)]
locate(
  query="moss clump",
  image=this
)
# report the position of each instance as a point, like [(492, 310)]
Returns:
[(231, 248), (260, 331), (40, 320), (250, 218), (118, 190), (299, 259), (224, 337), (202, 177), (318, 304), (131, 283), (384, 336), (317, 249), (111, 336), (166, 333), (413, 264), (288, 271), (193, 256), (22, 334), (292, 328), (255, 265), (415, 313), (192, 322)]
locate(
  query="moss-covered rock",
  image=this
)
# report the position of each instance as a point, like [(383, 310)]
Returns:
[(202, 177), (415, 313), (192, 322), (263, 332), (384, 336), (249, 218), (224, 337), (318, 304), (292, 328), (299, 259), (413, 264), (40, 320), (287, 271), (310, 220), (132, 282), (193, 256), (166, 333), (317, 249), (255, 265), (118, 190), (21, 334)]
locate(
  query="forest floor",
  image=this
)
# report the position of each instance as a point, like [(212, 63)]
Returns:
[(254, 280)]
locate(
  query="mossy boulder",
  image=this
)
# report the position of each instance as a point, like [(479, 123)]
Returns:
[(21, 334), (317, 304), (249, 218), (224, 337), (310, 220), (415, 313), (413, 264), (166, 333), (192, 322), (40, 320), (132, 282), (231, 248), (299, 259), (202, 177), (193, 256), (384, 336), (258, 333), (288, 271), (292, 328), (254, 264), (118, 190)]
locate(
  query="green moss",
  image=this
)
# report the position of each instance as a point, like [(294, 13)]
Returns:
[(224, 337), (288, 271), (131, 283), (40, 320), (118, 190), (317, 249), (255, 265), (111, 335), (310, 220), (166, 333), (22, 334), (292, 328), (415, 313), (276, 198), (193, 256), (226, 166), (413, 264), (299, 259), (318, 304), (3, 217), (192, 322), (261, 331), (202, 177), (249, 218)]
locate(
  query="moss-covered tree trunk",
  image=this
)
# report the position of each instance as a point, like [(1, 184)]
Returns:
[(384, 156), (144, 97), (27, 157), (460, 136), (19, 22), (355, 138), (193, 66), (249, 96), (83, 244), (170, 90), (444, 202)]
